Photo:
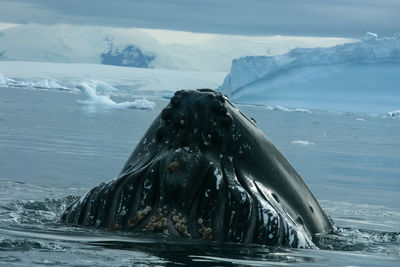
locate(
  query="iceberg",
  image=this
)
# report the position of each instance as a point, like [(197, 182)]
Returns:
[(99, 97), (302, 143), (363, 76), (394, 113), (40, 84), (5, 81), (44, 83)]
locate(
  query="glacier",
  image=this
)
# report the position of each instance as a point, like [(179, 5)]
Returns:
[(362, 76)]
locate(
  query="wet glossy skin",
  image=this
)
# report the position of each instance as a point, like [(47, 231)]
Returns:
[(205, 170)]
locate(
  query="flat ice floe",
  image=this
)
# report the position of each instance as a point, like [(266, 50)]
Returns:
[(357, 77), (302, 143)]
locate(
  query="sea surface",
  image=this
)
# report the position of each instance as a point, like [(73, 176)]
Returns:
[(53, 149)]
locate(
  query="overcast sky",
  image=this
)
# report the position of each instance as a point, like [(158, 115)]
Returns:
[(341, 18)]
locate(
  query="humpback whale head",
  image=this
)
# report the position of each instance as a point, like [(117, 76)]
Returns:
[(205, 170)]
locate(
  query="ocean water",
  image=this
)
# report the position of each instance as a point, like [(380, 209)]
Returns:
[(53, 149)]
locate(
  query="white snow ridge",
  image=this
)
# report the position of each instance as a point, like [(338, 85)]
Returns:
[(359, 77)]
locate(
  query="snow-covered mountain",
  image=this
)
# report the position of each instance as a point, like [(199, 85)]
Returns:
[(141, 48), (130, 56), (82, 44), (349, 77)]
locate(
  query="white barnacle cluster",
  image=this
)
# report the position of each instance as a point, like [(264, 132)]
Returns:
[(140, 215), (157, 221), (205, 232), (180, 223)]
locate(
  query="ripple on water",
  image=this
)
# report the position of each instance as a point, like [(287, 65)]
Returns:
[(30, 234)]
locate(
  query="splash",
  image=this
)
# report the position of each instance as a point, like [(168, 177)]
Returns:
[(99, 96)]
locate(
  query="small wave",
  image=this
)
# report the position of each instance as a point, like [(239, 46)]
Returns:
[(29, 212), (25, 245), (99, 96), (348, 239)]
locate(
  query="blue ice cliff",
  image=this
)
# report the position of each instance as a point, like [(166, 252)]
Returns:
[(363, 76)]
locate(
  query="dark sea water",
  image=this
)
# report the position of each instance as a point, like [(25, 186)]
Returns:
[(53, 149)]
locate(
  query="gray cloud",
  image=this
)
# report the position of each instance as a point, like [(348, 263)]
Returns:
[(346, 18)]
